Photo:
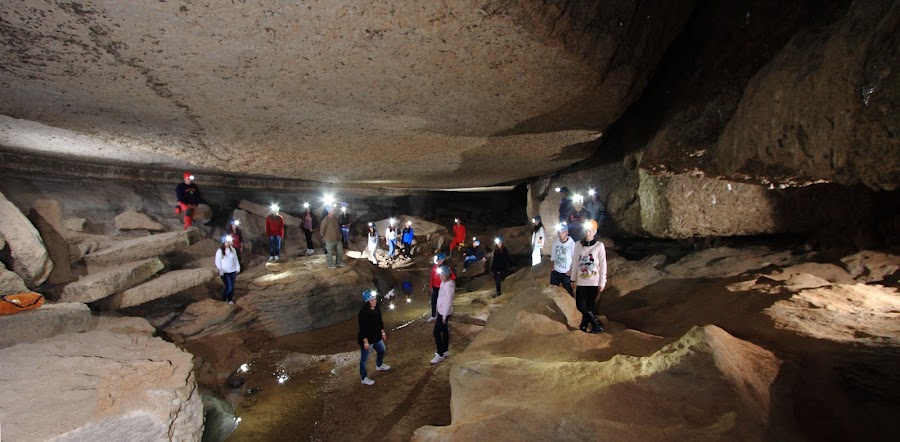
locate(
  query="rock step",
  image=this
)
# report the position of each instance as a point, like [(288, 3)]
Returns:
[(263, 211), (44, 322), (96, 286), (166, 285), (131, 220), (142, 248), (24, 247), (114, 383)]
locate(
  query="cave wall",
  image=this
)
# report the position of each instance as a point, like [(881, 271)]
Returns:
[(663, 170)]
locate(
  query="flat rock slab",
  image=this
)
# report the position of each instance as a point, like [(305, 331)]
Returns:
[(142, 248), (263, 211), (96, 286), (43, 322), (46, 216), (117, 383), (166, 285), (24, 252), (131, 220)]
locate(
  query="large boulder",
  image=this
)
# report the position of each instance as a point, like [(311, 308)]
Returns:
[(142, 248), (131, 220), (871, 265), (263, 211), (46, 215), (168, 284), (74, 224), (10, 282), (96, 286), (44, 322), (24, 253), (114, 383), (208, 317)]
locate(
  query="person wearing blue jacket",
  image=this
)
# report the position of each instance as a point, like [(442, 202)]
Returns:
[(406, 239)]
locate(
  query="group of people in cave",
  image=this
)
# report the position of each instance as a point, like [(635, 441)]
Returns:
[(577, 255)]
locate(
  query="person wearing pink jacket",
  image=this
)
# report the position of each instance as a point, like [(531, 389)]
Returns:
[(589, 275)]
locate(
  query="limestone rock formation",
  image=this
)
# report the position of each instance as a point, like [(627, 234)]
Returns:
[(263, 211), (118, 382), (208, 317), (46, 215), (167, 284), (24, 253), (44, 322), (871, 265), (99, 285), (74, 224), (10, 282), (142, 248), (131, 220)]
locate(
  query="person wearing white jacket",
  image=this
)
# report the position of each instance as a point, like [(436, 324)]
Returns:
[(561, 256), (589, 275), (372, 245), (444, 310), (229, 266), (537, 240)]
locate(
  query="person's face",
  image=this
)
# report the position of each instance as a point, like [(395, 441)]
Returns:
[(372, 303), (440, 262), (563, 235), (589, 234), (188, 180), (444, 277)]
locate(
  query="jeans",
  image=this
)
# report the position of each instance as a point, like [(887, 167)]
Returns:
[(364, 357), (274, 245), (585, 297), (309, 244), (469, 260), (228, 279), (392, 247), (434, 296), (498, 276), (441, 335), (332, 258), (557, 278), (345, 235)]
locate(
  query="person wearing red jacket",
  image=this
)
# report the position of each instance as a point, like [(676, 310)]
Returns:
[(275, 232), (236, 236), (436, 281), (459, 235)]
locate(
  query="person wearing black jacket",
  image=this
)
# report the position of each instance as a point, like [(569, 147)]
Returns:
[(500, 263), (188, 195), (371, 335)]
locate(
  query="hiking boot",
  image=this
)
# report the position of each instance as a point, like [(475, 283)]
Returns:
[(595, 323), (367, 381)]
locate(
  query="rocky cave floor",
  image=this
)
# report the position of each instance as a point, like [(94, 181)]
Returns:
[(749, 342)]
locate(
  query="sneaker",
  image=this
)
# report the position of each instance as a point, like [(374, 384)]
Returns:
[(332, 266), (367, 381), (465, 270), (383, 367), (277, 257), (231, 302), (431, 319), (437, 359), (271, 258), (342, 265), (310, 251)]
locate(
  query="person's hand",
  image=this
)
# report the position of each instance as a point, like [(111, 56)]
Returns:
[(383, 337), (445, 319), (602, 288), (366, 346)]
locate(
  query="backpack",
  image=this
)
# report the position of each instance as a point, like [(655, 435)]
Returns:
[(20, 302)]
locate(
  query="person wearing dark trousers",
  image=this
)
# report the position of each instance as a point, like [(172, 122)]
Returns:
[(275, 232), (237, 236), (444, 310), (561, 256), (188, 195), (345, 222), (473, 254), (406, 239), (436, 282), (371, 335), (307, 227), (589, 276), (228, 266), (499, 264)]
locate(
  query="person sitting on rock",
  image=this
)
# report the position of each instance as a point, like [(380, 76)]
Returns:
[(459, 235), (275, 232), (188, 195), (331, 234), (345, 227), (444, 309), (436, 282), (372, 244), (561, 257), (473, 253), (307, 226), (537, 240), (499, 264), (237, 236), (228, 265), (406, 239), (371, 335), (589, 276)]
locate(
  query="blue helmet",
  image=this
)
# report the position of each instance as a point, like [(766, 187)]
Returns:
[(562, 227), (369, 295), (440, 256)]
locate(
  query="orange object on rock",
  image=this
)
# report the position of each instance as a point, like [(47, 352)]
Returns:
[(20, 302)]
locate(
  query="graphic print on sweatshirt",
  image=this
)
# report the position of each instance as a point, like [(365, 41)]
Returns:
[(562, 261), (587, 266)]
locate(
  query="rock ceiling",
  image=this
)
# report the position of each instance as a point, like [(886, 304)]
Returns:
[(386, 93)]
